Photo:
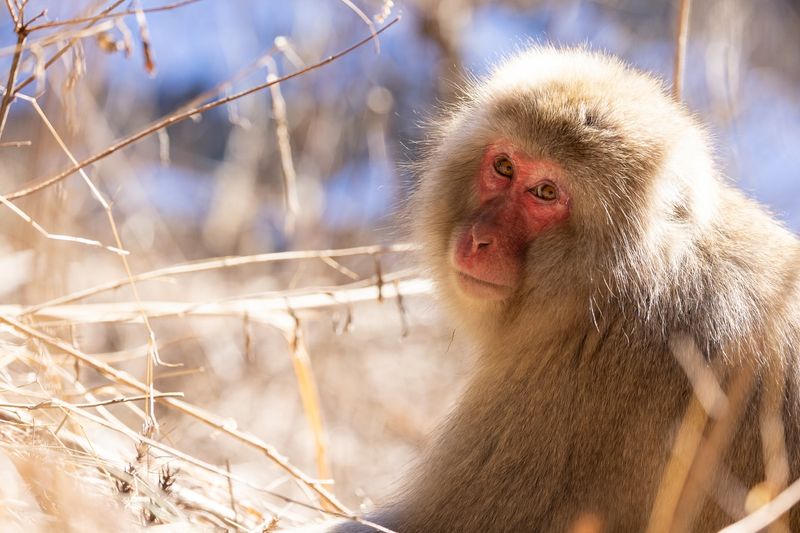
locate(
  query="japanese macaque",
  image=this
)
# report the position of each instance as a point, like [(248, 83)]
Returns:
[(637, 317)]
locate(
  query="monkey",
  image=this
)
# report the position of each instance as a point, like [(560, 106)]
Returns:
[(580, 234)]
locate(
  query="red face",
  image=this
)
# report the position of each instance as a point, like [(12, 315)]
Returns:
[(520, 198)]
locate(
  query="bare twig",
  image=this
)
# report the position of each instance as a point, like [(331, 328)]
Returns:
[(154, 357), (13, 13), (254, 65), (309, 395), (144, 37), (290, 200), (676, 472), (681, 36), (768, 513), (701, 375), (219, 263), (61, 51), (179, 117), (711, 452), (355, 9), (106, 15), (56, 403), (118, 426), (338, 267), (56, 38), (57, 236), (15, 144), (219, 424), (272, 309), (8, 94)]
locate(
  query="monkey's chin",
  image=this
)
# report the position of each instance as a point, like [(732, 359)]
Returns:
[(480, 289)]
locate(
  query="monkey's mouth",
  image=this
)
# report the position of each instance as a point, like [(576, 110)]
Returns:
[(481, 289)]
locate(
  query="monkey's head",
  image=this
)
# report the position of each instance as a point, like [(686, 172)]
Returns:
[(563, 178)]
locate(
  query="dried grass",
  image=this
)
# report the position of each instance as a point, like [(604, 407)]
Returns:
[(83, 445)]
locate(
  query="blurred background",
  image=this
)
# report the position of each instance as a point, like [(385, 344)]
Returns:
[(316, 165)]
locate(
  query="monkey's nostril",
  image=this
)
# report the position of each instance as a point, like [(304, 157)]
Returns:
[(480, 243)]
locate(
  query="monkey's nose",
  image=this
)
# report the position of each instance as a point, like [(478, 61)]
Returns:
[(480, 242)]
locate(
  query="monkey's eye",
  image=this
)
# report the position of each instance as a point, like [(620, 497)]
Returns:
[(545, 191), (504, 166)]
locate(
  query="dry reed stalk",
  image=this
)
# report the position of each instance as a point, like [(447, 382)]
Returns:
[(309, 395), (274, 309), (57, 236), (777, 471), (12, 13), (50, 403), (56, 38), (366, 20), (153, 358), (15, 144), (108, 15), (106, 461), (128, 481), (681, 38), (183, 115), (93, 189), (219, 424), (124, 379), (156, 507), (687, 442), (71, 41), (290, 199), (22, 34), (711, 452), (769, 513), (216, 263)]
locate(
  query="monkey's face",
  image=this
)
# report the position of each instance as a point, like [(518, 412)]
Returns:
[(563, 182), (519, 198)]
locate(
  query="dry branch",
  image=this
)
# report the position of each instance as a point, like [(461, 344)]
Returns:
[(768, 513), (290, 199), (51, 403), (8, 94), (29, 408), (220, 263), (70, 43), (211, 420), (681, 37), (108, 15), (183, 115), (274, 309)]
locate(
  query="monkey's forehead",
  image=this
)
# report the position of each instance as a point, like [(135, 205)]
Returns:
[(579, 105), (578, 77)]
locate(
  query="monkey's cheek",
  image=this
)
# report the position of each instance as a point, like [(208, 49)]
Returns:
[(477, 289)]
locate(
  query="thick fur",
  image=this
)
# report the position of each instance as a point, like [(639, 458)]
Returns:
[(577, 399)]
